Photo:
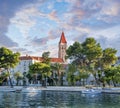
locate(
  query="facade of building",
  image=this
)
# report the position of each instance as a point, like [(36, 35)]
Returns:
[(26, 61)]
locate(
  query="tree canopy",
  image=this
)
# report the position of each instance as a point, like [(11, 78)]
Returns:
[(46, 58), (40, 68), (58, 68), (90, 57), (8, 60)]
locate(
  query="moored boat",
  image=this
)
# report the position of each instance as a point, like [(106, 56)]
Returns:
[(7, 90), (30, 89), (91, 91)]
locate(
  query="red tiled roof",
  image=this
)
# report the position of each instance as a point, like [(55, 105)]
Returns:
[(25, 58), (56, 60), (62, 39)]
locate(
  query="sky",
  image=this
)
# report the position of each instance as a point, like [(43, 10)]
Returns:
[(32, 27)]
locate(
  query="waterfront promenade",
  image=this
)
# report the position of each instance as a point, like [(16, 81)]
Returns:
[(63, 88), (56, 88)]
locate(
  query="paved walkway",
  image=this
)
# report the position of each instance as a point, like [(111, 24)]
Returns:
[(64, 88), (57, 88)]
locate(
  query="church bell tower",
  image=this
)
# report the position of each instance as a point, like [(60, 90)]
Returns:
[(62, 47)]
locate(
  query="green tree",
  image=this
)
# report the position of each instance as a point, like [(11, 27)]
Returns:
[(18, 76), (107, 60), (46, 58), (112, 74), (8, 60), (90, 57), (40, 68), (34, 70), (46, 72), (29, 77), (83, 75), (109, 57), (75, 53), (71, 71), (116, 79), (85, 55), (92, 50), (58, 68), (3, 77)]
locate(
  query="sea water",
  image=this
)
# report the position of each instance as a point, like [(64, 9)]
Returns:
[(58, 99)]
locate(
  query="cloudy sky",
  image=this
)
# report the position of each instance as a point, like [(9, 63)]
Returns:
[(34, 26)]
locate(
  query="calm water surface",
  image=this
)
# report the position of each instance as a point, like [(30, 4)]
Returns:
[(55, 99)]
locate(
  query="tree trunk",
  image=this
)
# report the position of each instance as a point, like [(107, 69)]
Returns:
[(17, 82), (103, 84), (97, 81), (10, 82), (45, 81), (58, 81), (10, 78), (61, 79), (83, 82), (114, 84)]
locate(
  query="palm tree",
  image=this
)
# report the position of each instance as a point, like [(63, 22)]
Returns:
[(71, 71), (18, 76), (29, 77), (58, 68), (42, 69)]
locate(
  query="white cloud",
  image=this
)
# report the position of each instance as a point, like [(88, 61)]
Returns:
[(25, 18), (23, 21), (112, 8), (80, 17), (111, 11), (53, 16)]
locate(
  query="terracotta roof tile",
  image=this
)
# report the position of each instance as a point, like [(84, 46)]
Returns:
[(57, 60)]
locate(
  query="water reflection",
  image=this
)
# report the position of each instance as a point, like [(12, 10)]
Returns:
[(50, 99)]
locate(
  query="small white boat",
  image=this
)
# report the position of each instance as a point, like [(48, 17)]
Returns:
[(29, 89), (18, 90), (91, 91), (7, 90)]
